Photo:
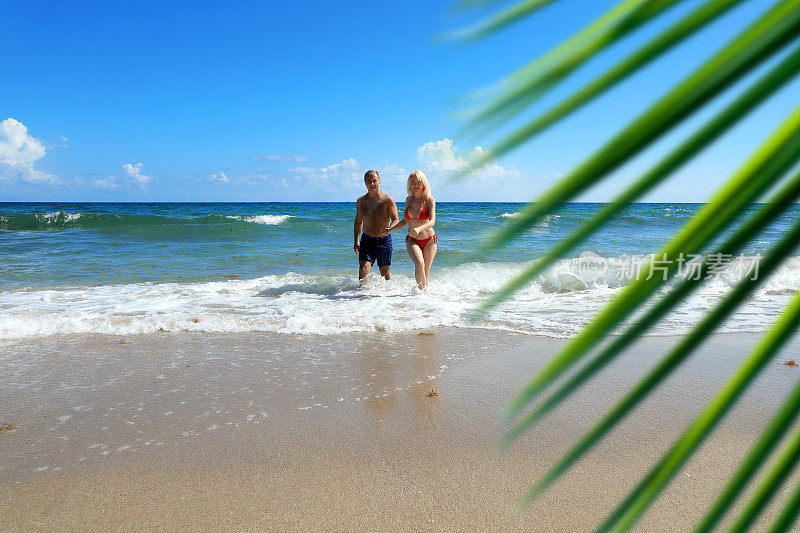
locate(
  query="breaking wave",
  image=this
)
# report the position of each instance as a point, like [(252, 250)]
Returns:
[(556, 304)]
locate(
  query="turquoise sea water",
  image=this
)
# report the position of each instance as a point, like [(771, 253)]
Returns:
[(130, 267)]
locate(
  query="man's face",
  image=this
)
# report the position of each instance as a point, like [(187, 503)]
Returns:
[(373, 183)]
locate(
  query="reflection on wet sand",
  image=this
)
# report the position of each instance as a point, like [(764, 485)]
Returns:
[(425, 363), (400, 379)]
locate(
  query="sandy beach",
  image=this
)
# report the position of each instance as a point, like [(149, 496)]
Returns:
[(302, 433)]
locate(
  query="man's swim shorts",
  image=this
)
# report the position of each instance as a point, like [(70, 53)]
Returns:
[(371, 248)]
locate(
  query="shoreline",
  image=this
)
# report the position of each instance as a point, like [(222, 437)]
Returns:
[(337, 432)]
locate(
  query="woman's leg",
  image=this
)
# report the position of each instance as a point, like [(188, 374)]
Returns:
[(427, 255), (419, 263)]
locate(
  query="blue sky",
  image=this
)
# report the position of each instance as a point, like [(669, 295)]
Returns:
[(286, 101)]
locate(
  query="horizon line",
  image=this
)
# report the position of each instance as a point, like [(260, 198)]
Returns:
[(308, 202)]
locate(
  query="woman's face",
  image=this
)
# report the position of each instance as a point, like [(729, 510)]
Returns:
[(416, 185)]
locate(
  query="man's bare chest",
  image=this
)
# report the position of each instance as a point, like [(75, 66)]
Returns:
[(374, 209)]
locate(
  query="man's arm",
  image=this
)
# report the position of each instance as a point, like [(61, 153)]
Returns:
[(357, 225), (393, 215), (396, 227)]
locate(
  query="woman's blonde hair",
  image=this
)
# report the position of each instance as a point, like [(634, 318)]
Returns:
[(420, 175)]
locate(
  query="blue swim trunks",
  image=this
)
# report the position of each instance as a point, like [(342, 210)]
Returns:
[(371, 248)]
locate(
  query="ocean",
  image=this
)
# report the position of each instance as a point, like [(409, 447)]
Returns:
[(126, 268)]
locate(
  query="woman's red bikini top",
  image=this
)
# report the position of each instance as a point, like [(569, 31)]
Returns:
[(423, 215)]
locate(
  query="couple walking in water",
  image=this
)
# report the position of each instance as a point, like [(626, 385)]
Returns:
[(377, 218)]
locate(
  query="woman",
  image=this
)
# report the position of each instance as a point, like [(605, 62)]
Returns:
[(420, 216)]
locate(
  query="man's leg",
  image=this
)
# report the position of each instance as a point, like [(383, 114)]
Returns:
[(385, 257), (363, 271)]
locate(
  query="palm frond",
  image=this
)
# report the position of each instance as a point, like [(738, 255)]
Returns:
[(646, 492), (463, 5), (505, 18), (772, 31), (524, 93), (755, 95), (789, 513), (779, 26), (777, 205), (520, 97), (545, 71), (670, 362), (773, 158), (772, 434), (615, 24), (784, 464)]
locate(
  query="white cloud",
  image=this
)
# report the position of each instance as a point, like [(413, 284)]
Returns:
[(134, 173), (347, 173), (220, 177), (442, 157), (347, 167), (16, 146), (107, 183), (282, 159), (63, 142), (18, 153), (392, 175)]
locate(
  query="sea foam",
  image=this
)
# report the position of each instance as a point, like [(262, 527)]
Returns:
[(267, 220), (557, 304)]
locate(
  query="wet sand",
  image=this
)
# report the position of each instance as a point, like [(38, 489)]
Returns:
[(280, 432)]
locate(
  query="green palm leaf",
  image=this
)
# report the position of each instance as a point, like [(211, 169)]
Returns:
[(546, 72), (777, 206), (504, 18), (527, 91), (670, 362), (467, 4), (647, 491), (752, 46), (789, 514), (766, 165), (543, 73), (754, 96), (767, 35), (777, 427), (783, 466)]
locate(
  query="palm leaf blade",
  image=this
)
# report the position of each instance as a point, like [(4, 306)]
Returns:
[(789, 513), (755, 95), (507, 17), (779, 424), (677, 355), (769, 33), (646, 493), (777, 206), (768, 163), (525, 94), (754, 45), (786, 461)]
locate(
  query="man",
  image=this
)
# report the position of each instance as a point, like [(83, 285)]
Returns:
[(375, 211)]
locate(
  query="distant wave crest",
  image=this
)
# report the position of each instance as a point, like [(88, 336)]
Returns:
[(267, 220), (62, 220)]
